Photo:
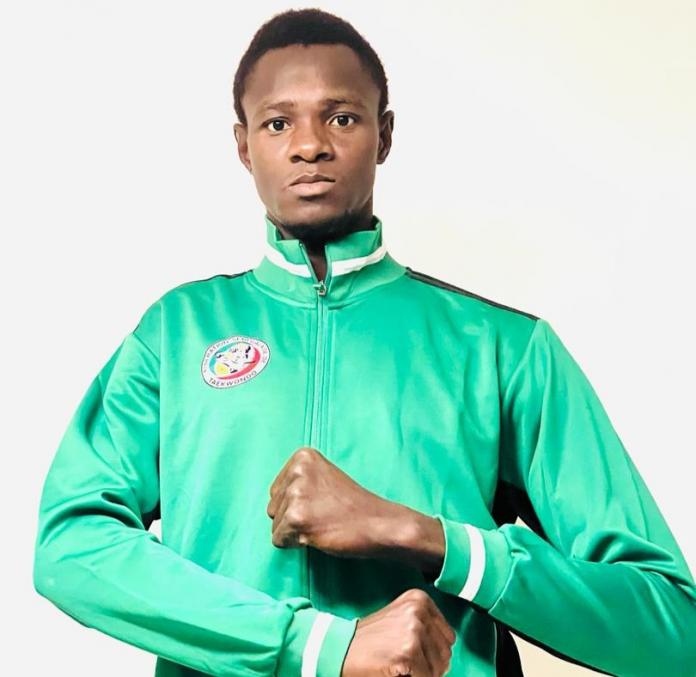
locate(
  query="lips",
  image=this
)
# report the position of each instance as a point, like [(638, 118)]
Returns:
[(311, 184), (311, 189), (311, 178)]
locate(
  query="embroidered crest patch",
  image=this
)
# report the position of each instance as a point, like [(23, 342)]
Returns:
[(234, 360)]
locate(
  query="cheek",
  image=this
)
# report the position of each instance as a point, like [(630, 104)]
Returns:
[(262, 154), (362, 154), (362, 168), (260, 182), (262, 169)]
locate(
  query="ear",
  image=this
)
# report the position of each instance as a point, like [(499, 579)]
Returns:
[(240, 134), (386, 126)]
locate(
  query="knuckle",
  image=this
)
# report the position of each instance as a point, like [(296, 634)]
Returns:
[(295, 517), (417, 594), (304, 453), (295, 491), (410, 644), (416, 626), (416, 611), (297, 474)]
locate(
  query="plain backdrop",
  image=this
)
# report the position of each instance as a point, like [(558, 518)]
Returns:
[(544, 155)]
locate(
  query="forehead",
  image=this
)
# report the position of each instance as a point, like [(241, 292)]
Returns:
[(308, 74)]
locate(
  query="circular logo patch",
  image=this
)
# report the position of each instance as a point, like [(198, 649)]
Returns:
[(234, 360)]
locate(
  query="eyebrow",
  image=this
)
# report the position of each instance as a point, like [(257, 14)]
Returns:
[(329, 102)]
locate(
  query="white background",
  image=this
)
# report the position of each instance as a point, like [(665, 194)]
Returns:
[(544, 155)]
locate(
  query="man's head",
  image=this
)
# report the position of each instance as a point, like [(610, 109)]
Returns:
[(310, 94)]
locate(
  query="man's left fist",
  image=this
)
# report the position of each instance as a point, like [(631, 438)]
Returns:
[(315, 503)]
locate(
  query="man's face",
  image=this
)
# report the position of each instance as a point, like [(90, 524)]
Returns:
[(312, 110)]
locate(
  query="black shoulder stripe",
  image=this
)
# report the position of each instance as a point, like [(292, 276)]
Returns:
[(428, 279), (212, 277), (229, 276)]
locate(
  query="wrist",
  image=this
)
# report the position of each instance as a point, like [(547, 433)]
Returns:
[(413, 538), (429, 546)]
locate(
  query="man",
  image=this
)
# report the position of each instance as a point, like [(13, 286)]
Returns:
[(338, 446)]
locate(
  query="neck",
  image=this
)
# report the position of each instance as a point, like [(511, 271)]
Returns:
[(315, 235)]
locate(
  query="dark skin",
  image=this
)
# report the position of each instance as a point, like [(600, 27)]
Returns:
[(325, 119), (303, 133)]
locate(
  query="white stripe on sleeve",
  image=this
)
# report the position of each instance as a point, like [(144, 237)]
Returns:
[(310, 655), (477, 563)]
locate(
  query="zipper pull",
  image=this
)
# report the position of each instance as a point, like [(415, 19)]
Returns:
[(320, 287)]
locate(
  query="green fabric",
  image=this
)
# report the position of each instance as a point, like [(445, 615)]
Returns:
[(424, 394), (333, 647), (455, 568)]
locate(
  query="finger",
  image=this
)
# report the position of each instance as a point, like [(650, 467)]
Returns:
[(285, 533), (444, 651), (272, 507), (421, 664), (440, 634), (277, 480), (431, 651), (441, 623), (279, 529), (278, 489), (441, 650), (275, 500), (447, 635)]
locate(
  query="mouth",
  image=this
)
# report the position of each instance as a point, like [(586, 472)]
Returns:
[(311, 178), (311, 184)]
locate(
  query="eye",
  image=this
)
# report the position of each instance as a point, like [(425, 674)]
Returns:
[(275, 121), (343, 117)]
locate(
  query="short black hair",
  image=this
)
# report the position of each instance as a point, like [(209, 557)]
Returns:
[(309, 26)]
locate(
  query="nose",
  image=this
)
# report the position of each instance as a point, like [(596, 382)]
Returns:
[(311, 142)]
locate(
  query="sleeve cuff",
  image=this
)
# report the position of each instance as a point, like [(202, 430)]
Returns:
[(316, 644), (477, 562)]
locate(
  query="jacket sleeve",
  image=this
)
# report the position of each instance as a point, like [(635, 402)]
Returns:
[(598, 579), (96, 560)]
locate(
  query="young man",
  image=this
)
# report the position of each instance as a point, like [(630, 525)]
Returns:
[(338, 446)]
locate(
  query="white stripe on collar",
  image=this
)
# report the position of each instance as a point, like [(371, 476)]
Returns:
[(349, 265), (337, 267), (300, 269)]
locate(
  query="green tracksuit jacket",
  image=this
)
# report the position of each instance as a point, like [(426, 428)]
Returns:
[(426, 394)]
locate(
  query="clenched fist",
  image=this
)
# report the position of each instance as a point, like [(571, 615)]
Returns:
[(314, 503), (409, 636)]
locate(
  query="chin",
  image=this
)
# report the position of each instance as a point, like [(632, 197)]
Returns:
[(310, 213), (318, 226)]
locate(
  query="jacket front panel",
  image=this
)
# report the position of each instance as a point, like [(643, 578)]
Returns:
[(222, 447), (397, 385)]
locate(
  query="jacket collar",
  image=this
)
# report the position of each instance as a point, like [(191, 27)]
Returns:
[(355, 263)]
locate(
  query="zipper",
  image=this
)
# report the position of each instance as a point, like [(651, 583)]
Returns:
[(321, 287)]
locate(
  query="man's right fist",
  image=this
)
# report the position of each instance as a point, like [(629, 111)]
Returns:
[(409, 636)]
